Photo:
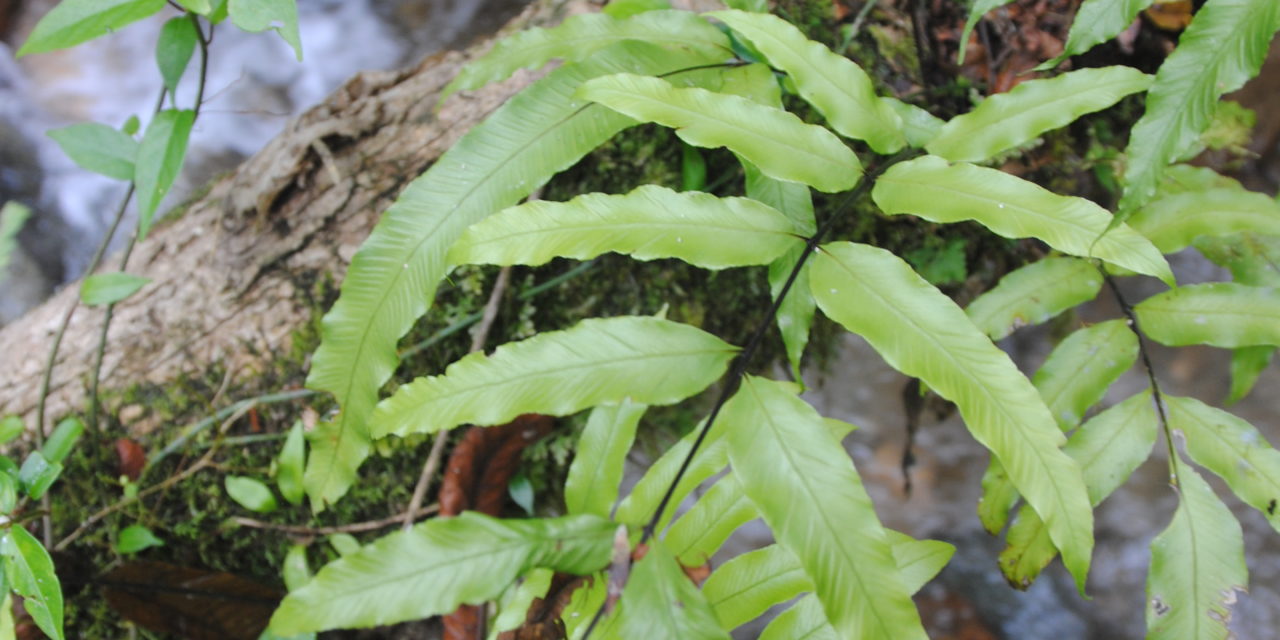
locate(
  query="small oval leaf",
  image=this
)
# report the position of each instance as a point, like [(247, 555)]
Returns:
[(64, 437), (291, 463), (174, 47), (251, 493), (160, 156), (110, 288), (135, 538), (98, 148)]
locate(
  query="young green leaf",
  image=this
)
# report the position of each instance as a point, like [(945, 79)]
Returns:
[(160, 156), (1080, 369), (260, 15), (1221, 314), (29, 571), (1233, 450), (814, 503), (1173, 222), (836, 86), (922, 333), (291, 462), (931, 188), (98, 148), (1033, 294), (1108, 447), (1197, 566), (660, 601), (648, 360), (582, 36), (1007, 120), (1252, 258), (393, 277), (110, 288), (12, 216), (1182, 102), (699, 228), (251, 493), (135, 538), (64, 437), (596, 473), (11, 427), (1247, 363), (1097, 21), (439, 564), (698, 533), (804, 620), (919, 127), (977, 9), (174, 47), (296, 572), (777, 142), (344, 543), (38, 474), (71, 22)]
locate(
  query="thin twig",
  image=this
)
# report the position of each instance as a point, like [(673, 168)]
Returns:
[(357, 527), (437, 447), (1132, 318)]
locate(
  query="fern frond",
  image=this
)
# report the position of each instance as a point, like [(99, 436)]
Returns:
[(814, 503), (1006, 120), (922, 333), (835, 85), (436, 566), (592, 484), (1109, 447), (1034, 294), (1197, 566), (647, 360), (977, 9), (776, 141), (1221, 314), (1233, 450), (392, 279), (648, 223), (1173, 222), (582, 36), (1222, 48), (931, 188), (660, 601), (1097, 21)]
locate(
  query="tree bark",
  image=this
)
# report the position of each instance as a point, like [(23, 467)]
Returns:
[(227, 275)]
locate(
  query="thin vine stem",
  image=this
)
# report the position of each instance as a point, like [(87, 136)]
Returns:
[(1145, 356), (100, 352)]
